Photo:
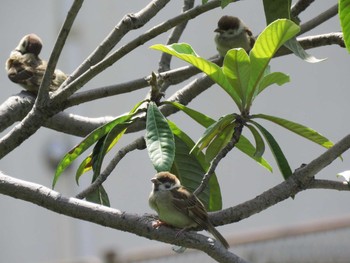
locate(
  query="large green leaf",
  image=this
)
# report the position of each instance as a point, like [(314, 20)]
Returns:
[(268, 42), (191, 167), (344, 15), (185, 52), (299, 129), (245, 146), (276, 150), (89, 140), (236, 67), (159, 139)]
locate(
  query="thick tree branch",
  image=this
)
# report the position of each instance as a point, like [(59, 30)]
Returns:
[(109, 217)]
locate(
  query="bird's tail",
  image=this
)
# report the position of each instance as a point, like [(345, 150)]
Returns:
[(218, 236)]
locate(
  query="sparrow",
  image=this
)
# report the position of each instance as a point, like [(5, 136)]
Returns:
[(25, 67), (178, 207), (232, 33)]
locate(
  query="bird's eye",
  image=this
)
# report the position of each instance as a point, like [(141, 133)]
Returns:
[(167, 186)]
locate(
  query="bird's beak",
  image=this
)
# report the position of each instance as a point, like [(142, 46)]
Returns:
[(155, 180), (218, 30)]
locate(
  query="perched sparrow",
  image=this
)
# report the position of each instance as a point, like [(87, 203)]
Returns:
[(25, 68), (177, 207), (232, 33)]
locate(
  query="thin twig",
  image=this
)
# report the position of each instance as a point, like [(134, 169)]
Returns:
[(137, 144), (300, 6), (43, 93), (319, 19), (221, 155), (164, 63), (328, 184)]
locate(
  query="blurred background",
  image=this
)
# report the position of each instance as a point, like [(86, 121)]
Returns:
[(314, 227)]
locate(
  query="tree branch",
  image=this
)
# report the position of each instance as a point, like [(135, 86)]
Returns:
[(302, 179), (328, 184), (112, 218), (43, 93), (300, 6), (321, 18), (164, 63)]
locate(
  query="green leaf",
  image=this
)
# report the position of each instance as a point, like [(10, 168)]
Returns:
[(278, 78), (199, 117), (245, 146), (213, 130), (276, 150), (236, 67), (219, 142), (99, 196), (268, 42), (159, 139), (89, 140), (344, 15), (85, 166), (299, 129), (107, 142), (185, 52), (275, 9), (259, 142), (191, 167)]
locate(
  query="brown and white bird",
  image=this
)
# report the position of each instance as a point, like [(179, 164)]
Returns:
[(25, 68), (233, 33), (177, 207)]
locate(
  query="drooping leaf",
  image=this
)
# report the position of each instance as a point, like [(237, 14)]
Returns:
[(107, 142), (159, 139), (276, 150), (344, 15), (89, 140), (219, 142), (213, 130), (191, 168), (293, 45), (259, 142), (185, 52), (278, 78), (245, 146), (99, 196), (268, 42), (299, 129)]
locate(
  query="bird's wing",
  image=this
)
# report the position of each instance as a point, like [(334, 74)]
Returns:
[(189, 204)]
